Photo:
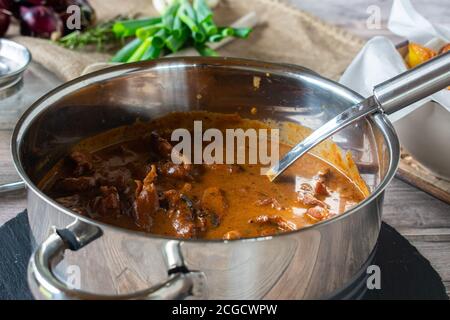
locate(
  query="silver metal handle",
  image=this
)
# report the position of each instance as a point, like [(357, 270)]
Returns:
[(413, 85), (45, 284), (388, 97), (13, 186), (339, 122)]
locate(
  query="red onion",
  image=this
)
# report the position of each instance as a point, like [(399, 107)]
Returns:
[(6, 4), (42, 18), (40, 21), (14, 5)]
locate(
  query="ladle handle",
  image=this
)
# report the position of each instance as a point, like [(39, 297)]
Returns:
[(413, 85)]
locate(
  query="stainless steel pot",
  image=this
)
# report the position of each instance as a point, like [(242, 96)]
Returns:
[(109, 262)]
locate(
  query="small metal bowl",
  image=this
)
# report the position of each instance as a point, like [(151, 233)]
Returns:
[(14, 59)]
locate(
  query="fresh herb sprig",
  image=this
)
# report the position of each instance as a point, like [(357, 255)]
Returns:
[(100, 35), (183, 24)]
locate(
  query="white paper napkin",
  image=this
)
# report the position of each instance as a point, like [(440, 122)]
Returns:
[(379, 60), (405, 21)]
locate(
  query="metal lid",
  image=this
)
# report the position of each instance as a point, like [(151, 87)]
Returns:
[(14, 59)]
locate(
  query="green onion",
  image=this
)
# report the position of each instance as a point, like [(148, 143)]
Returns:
[(174, 44), (206, 51), (127, 28), (145, 32), (199, 37), (184, 23), (235, 32), (202, 10), (210, 28), (227, 31), (187, 7), (137, 55), (151, 53), (216, 38), (241, 32), (168, 17), (158, 40), (177, 28), (184, 17), (127, 51)]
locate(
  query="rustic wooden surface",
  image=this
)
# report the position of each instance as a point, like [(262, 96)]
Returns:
[(411, 171), (421, 218)]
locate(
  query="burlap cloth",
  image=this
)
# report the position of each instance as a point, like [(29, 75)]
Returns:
[(284, 34)]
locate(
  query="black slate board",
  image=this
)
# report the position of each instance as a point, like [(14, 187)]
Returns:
[(405, 273), (15, 250)]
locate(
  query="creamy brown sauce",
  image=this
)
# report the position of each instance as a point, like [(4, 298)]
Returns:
[(133, 184)]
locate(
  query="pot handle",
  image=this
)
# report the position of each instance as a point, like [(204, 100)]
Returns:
[(12, 186), (44, 284)]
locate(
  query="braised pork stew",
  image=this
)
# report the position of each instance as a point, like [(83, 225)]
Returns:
[(135, 185)]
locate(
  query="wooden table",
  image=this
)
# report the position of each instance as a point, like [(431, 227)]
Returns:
[(424, 220)]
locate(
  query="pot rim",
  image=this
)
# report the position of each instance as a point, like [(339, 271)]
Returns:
[(380, 120)]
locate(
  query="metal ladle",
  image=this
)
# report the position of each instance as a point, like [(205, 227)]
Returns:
[(388, 97)]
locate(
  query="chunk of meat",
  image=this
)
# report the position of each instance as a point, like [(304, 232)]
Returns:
[(319, 181), (117, 177), (182, 216), (160, 145), (108, 204), (206, 220), (145, 205), (320, 189), (69, 201), (151, 175), (308, 199), (306, 195), (77, 184), (176, 171), (172, 196), (275, 220), (139, 169), (73, 203), (184, 224), (310, 193), (165, 150), (269, 201), (147, 202), (83, 162), (232, 235), (317, 213), (215, 203)]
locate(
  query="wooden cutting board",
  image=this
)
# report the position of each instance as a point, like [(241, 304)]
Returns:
[(411, 171)]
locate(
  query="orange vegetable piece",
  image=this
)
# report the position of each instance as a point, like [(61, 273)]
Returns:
[(418, 54), (445, 48)]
